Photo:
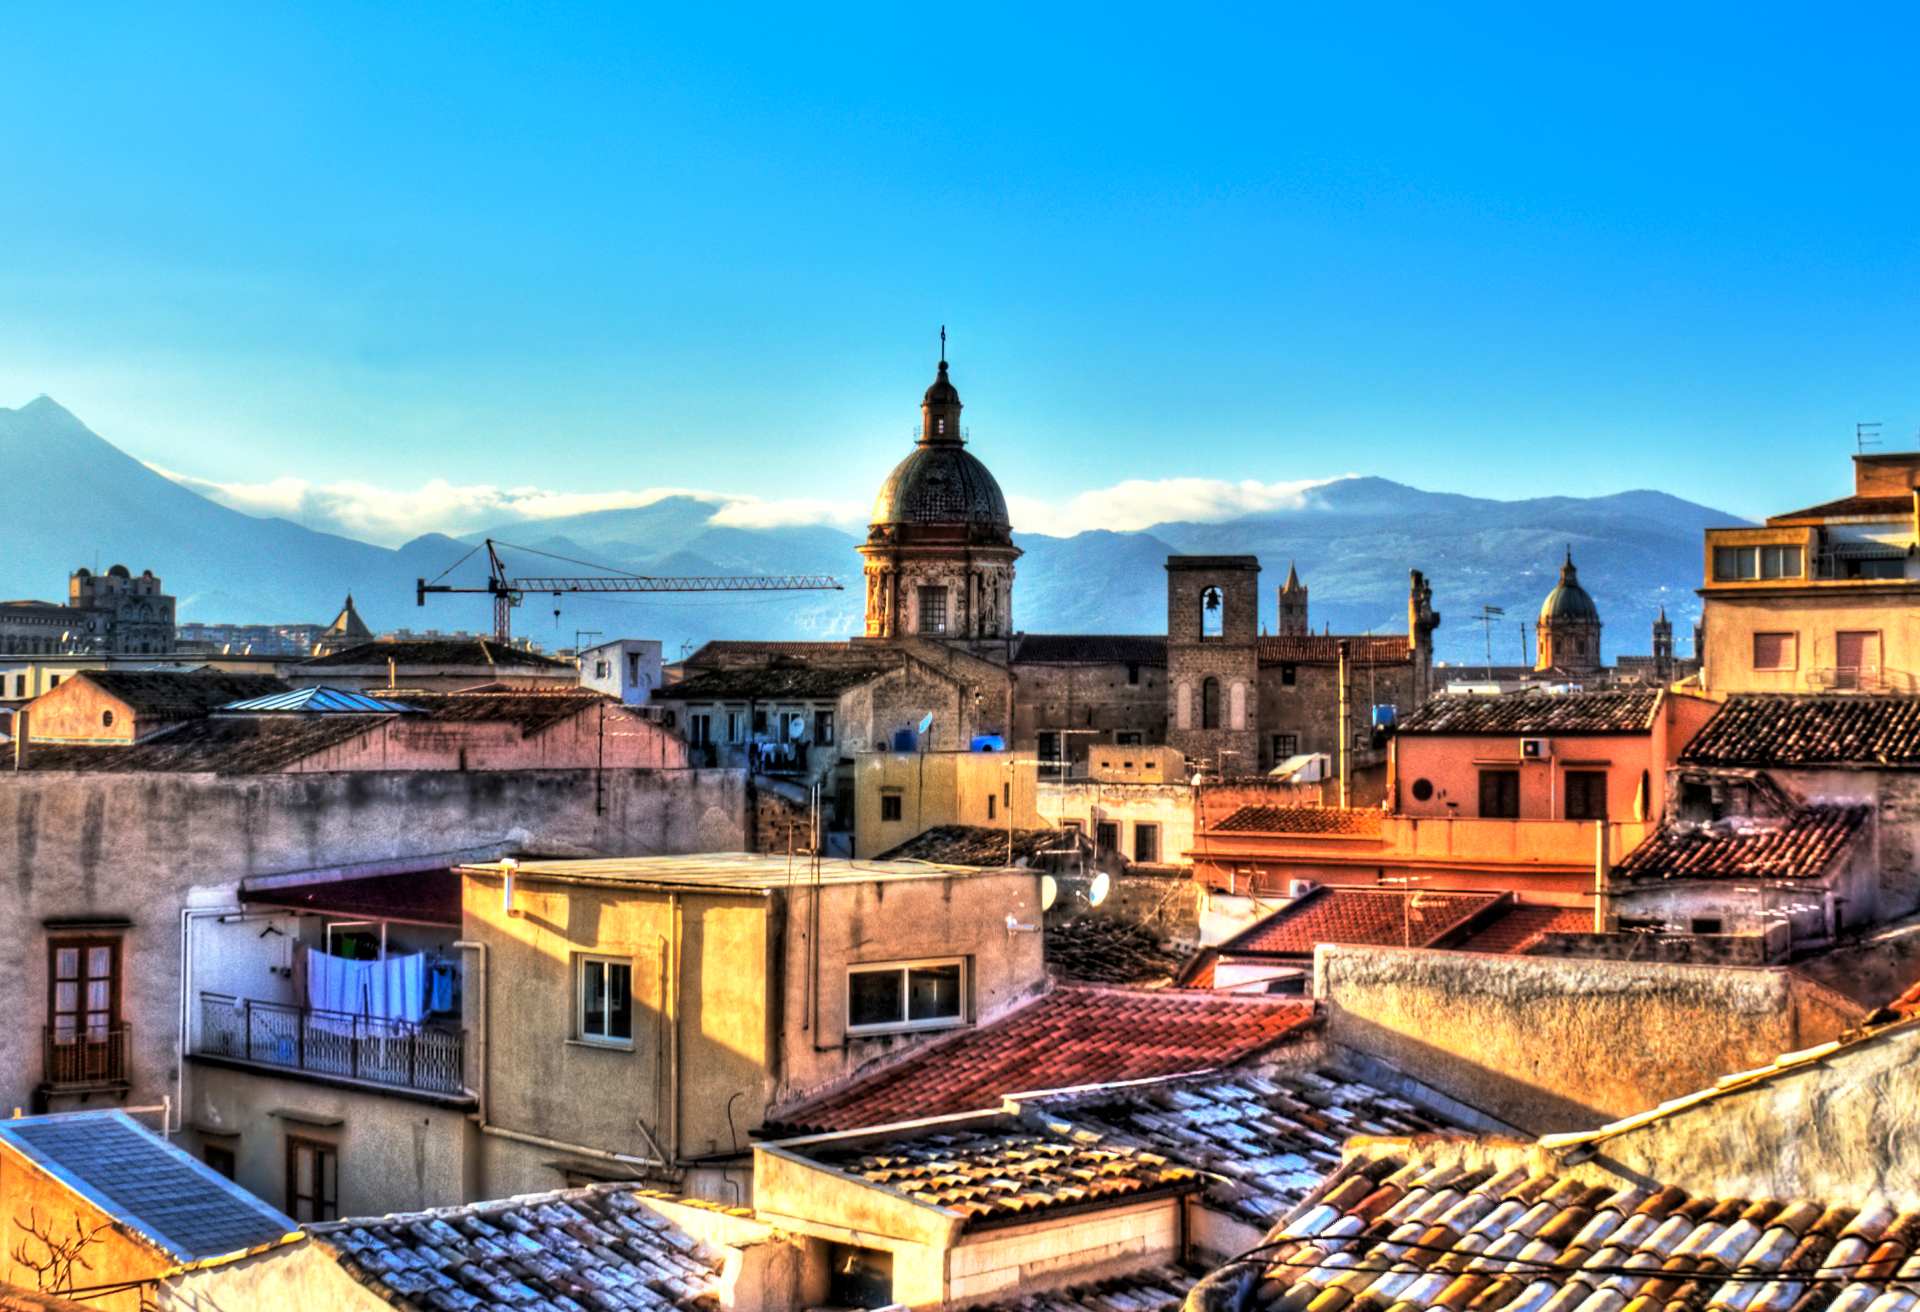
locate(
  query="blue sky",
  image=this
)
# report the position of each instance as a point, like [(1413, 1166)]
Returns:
[(1507, 251)]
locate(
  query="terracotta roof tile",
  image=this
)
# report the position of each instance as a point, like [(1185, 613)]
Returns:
[(975, 845), (1095, 949), (599, 1247), (1324, 649), (1519, 927), (1855, 729), (786, 679), (460, 652), (1160, 1289), (531, 710), (1301, 820), (1074, 1035), (1363, 916), (1546, 1243), (1535, 712), (170, 694), (1802, 845), (1002, 1169), (220, 744), (1266, 1139)]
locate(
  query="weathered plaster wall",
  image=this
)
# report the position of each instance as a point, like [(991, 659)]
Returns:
[(31, 1198), (303, 1275), (133, 848), (396, 1154), (1551, 1045), (1095, 701)]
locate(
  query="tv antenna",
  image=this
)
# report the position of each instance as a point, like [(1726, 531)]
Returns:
[(1866, 434), (1488, 614)]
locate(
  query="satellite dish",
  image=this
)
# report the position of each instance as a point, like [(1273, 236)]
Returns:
[(796, 727), (926, 722), (1098, 890), (1049, 892)]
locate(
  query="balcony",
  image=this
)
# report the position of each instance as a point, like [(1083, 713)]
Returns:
[(98, 1061), (337, 1044), (1861, 678)]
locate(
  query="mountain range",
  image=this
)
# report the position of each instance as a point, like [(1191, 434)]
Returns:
[(73, 498)]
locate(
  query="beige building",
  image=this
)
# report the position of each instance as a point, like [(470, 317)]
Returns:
[(900, 795), (1822, 599), (638, 1017), (1135, 806)]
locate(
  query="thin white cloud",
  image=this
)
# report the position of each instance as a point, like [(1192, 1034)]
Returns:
[(1141, 503), (390, 516)]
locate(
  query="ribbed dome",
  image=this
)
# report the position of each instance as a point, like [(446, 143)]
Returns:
[(1569, 601), (940, 485)]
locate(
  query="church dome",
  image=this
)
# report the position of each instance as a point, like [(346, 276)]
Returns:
[(1569, 602), (941, 485)]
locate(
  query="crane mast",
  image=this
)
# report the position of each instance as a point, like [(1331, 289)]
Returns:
[(508, 590)]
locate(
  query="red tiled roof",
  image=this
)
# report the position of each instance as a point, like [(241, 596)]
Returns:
[(1075, 1035), (1324, 649), (1856, 505), (1534, 712), (1301, 820), (1365, 916), (1783, 729), (1801, 846), (1519, 927), (1907, 1005)]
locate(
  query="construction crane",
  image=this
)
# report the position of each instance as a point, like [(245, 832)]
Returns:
[(507, 591)]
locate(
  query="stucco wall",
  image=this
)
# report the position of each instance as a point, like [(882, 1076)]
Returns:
[(1125, 805), (133, 848), (303, 1276), (1821, 610), (1843, 1129), (30, 1197), (396, 1154), (1548, 1044)]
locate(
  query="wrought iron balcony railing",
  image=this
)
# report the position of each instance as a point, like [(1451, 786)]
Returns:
[(77, 1061), (406, 1056)]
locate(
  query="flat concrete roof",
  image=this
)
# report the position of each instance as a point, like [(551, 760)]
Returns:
[(743, 871)]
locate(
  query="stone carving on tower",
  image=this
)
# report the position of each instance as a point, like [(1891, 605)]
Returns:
[(939, 551)]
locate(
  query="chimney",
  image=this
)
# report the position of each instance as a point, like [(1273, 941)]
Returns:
[(20, 739)]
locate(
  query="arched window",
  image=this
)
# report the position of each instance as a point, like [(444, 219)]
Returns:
[(1213, 612), (1210, 704)]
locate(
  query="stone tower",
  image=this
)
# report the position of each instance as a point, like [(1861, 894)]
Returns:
[(1422, 620), (939, 551), (1663, 646), (1293, 605), (1213, 661), (1568, 631)]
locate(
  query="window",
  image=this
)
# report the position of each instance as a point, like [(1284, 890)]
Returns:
[(219, 1156), (1146, 843), (106, 719), (823, 728), (759, 723), (793, 724), (1706, 925), (1776, 651), (606, 1000), (890, 808), (1127, 738), (992, 803), (1106, 837), (1006, 793), (1284, 746), (633, 667), (1857, 651), (599, 669), (1133, 674), (83, 1012), (700, 729), (1210, 704), (313, 1179), (1586, 792), (53, 681), (933, 610), (1500, 794), (912, 995), (733, 726), (1738, 564), (1287, 676), (1213, 612), (1423, 790)]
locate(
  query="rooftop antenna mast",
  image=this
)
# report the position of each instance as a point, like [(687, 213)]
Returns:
[(1488, 614), (1866, 434)]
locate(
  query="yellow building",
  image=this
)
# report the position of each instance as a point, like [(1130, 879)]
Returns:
[(636, 1018), (901, 795), (1823, 599)]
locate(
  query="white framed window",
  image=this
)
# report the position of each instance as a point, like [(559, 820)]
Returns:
[(907, 995), (604, 1013)]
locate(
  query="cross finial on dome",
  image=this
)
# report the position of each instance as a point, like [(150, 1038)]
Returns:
[(943, 343)]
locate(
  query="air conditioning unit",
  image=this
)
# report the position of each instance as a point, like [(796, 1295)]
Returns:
[(1299, 888), (1534, 749)]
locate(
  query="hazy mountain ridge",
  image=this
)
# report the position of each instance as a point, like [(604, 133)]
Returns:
[(77, 499)]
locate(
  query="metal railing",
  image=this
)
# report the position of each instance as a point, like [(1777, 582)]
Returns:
[(1860, 678), (89, 1059), (340, 1043)]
